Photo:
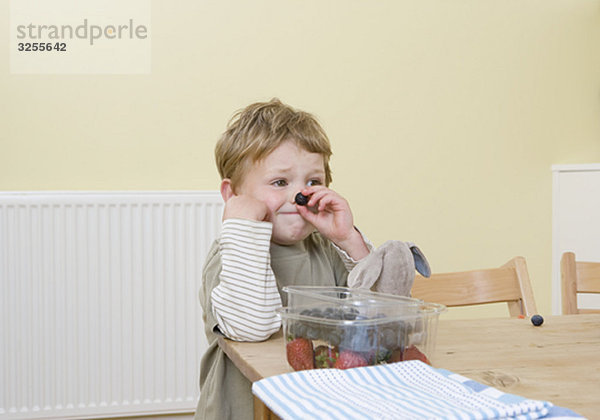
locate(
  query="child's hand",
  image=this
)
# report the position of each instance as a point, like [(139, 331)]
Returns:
[(245, 207), (330, 214)]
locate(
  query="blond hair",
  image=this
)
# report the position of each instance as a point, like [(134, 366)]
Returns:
[(258, 129)]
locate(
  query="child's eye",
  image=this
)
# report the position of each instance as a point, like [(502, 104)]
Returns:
[(280, 183), (314, 182)]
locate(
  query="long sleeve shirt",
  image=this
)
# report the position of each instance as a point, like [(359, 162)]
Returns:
[(241, 287), (247, 295)]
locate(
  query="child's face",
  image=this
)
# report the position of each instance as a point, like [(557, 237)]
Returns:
[(276, 179)]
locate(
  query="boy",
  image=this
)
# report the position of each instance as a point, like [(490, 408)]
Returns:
[(269, 153)]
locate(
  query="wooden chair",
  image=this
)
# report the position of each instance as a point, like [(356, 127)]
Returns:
[(508, 283), (578, 277)]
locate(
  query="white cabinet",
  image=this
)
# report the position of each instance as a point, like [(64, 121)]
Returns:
[(575, 222)]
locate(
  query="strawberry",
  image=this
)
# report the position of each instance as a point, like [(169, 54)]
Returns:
[(349, 359), (413, 353), (326, 356), (300, 354)]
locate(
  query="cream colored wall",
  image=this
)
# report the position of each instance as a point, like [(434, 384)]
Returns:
[(445, 116)]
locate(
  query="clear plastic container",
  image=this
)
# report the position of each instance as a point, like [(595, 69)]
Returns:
[(344, 328), (307, 295)]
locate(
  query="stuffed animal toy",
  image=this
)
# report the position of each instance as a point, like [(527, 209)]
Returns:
[(390, 269)]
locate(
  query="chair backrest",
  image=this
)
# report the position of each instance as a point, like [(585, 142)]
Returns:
[(508, 283), (578, 277)]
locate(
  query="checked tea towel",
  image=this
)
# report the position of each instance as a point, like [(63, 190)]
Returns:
[(405, 390)]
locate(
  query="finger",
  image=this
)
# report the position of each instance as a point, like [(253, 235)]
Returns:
[(327, 203), (313, 189), (307, 214), (317, 196), (330, 201)]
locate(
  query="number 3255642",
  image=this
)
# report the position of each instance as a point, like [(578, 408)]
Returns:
[(42, 46)]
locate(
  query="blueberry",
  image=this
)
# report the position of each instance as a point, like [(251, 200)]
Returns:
[(312, 332), (357, 338), (297, 329), (301, 199), (316, 312), (334, 337), (537, 320), (388, 337)]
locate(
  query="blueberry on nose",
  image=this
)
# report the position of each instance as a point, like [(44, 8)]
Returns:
[(301, 199)]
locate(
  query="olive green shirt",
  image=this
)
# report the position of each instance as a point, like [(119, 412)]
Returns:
[(224, 391)]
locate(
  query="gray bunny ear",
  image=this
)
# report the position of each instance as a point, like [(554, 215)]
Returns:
[(421, 263)]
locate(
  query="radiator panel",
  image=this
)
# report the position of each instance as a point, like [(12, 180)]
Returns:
[(100, 314)]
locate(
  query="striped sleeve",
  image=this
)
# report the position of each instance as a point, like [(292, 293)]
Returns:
[(246, 297), (348, 261)]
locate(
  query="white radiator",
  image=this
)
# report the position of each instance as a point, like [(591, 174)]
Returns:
[(99, 311)]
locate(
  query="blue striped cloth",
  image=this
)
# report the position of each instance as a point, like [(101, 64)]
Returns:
[(410, 390)]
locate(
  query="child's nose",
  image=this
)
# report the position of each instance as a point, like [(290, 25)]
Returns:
[(295, 189), (292, 195)]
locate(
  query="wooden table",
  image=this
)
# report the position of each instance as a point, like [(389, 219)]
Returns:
[(557, 362)]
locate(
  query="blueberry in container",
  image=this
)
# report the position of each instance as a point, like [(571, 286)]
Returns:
[(344, 328)]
